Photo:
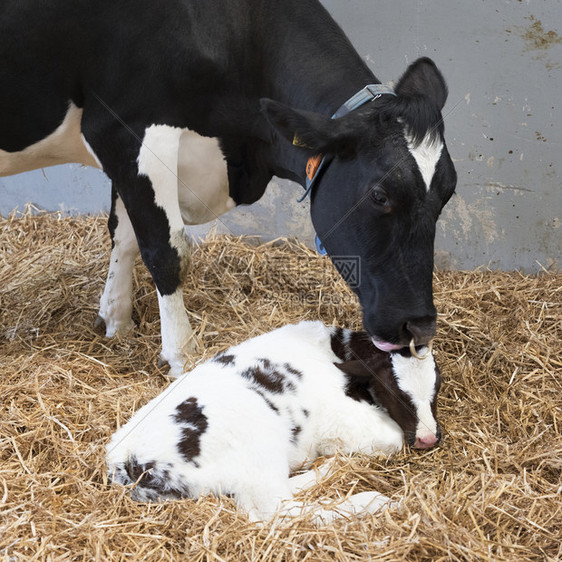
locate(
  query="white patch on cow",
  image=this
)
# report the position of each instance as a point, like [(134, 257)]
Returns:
[(417, 377), (158, 159), (116, 304), (194, 164), (202, 179), (64, 145), (426, 155), (189, 177)]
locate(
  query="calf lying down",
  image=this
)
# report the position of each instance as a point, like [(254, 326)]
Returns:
[(239, 423)]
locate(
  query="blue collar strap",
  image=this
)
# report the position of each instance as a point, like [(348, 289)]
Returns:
[(316, 163), (368, 93)]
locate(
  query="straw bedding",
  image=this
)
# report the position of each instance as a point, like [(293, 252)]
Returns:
[(492, 490)]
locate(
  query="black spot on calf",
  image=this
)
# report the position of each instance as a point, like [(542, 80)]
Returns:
[(269, 380), (224, 359), (361, 347), (295, 432), (145, 476), (189, 415), (290, 369)]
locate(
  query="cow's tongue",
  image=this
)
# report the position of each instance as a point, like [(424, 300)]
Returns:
[(385, 346)]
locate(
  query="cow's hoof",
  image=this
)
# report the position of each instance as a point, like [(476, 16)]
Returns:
[(99, 324), (179, 360), (175, 368), (113, 328)]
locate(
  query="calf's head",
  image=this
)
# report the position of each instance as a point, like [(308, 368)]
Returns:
[(405, 387), (377, 201)]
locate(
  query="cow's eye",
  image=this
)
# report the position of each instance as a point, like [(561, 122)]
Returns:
[(379, 197)]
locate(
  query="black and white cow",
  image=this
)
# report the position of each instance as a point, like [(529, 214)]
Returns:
[(191, 107), (239, 423)]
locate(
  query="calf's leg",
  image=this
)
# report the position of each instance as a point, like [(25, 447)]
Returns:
[(272, 499), (356, 505)]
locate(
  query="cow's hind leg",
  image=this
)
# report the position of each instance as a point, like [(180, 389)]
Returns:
[(116, 304)]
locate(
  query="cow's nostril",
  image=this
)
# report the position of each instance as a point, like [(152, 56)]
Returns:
[(422, 329)]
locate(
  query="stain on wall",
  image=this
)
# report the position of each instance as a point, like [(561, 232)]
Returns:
[(539, 40), (536, 37)]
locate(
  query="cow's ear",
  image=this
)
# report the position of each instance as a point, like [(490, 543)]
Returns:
[(311, 131), (422, 78)]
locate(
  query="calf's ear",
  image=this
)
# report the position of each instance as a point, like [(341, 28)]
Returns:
[(309, 130), (422, 78), (356, 370)]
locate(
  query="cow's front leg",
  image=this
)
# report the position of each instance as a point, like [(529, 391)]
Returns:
[(145, 178), (163, 242), (116, 304), (153, 207)]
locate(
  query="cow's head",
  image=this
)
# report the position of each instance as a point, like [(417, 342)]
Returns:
[(378, 200)]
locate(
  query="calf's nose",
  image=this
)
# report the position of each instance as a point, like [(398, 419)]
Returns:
[(426, 442)]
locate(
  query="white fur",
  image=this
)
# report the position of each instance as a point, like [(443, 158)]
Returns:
[(158, 159), (426, 155), (116, 304), (416, 378), (177, 334), (192, 166), (202, 179), (250, 445), (65, 144)]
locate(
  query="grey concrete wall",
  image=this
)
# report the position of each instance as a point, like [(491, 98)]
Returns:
[(503, 62)]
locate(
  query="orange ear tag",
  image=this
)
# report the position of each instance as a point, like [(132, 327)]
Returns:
[(312, 166)]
